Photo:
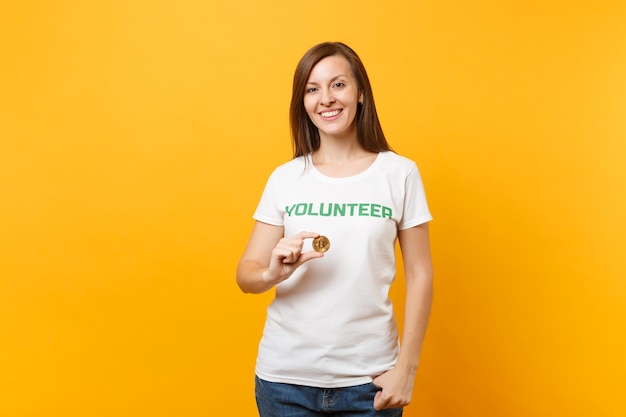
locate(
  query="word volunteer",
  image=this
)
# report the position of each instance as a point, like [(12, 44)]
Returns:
[(339, 210)]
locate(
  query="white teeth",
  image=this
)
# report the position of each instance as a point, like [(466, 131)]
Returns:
[(331, 113)]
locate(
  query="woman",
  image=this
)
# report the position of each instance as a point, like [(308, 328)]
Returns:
[(330, 342)]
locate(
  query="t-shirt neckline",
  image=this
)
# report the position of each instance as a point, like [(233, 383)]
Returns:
[(315, 172)]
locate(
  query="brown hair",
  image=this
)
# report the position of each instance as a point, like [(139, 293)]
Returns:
[(304, 133)]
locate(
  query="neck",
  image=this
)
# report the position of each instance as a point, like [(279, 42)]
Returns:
[(339, 148), (338, 152), (343, 159)]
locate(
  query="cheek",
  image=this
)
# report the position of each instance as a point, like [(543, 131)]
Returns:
[(309, 108), (308, 104)]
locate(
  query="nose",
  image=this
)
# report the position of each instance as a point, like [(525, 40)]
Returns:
[(326, 98)]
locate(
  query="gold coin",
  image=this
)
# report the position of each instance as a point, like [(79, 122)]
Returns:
[(321, 244)]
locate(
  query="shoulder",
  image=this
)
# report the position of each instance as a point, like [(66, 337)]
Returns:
[(397, 163), (296, 164), (289, 169)]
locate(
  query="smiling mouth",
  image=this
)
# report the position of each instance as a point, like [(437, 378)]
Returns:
[(330, 113)]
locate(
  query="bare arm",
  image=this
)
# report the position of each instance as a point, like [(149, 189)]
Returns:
[(397, 383), (271, 258)]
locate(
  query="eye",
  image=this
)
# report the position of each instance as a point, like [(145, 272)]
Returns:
[(338, 85), (311, 90)]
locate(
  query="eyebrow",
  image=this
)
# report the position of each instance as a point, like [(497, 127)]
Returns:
[(331, 80)]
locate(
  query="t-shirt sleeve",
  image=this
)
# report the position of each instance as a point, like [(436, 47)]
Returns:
[(267, 210), (415, 210)]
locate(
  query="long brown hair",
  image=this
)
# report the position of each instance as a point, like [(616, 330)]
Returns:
[(304, 133)]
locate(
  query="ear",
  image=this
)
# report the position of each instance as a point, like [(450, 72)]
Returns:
[(361, 98)]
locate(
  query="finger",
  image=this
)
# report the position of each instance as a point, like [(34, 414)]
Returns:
[(307, 256), (307, 235), (290, 243), (286, 254), (293, 257), (378, 404), (295, 244)]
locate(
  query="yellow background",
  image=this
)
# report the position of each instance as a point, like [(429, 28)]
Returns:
[(135, 140)]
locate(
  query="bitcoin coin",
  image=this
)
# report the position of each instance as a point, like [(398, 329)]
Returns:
[(321, 244)]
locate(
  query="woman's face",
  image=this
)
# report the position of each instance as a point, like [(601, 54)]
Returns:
[(331, 97)]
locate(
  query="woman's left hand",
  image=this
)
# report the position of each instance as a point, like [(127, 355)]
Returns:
[(397, 389)]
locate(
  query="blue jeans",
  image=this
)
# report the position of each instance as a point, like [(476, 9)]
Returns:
[(286, 400)]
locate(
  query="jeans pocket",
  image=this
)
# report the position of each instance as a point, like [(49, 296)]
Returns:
[(375, 387)]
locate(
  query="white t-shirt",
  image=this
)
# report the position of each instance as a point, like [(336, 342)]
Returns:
[(331, 324)]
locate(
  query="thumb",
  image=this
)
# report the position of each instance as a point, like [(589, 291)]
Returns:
[(307, 256), (378, 403)]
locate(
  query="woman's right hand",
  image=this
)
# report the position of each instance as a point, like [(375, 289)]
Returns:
[(287, 256), (271, 258)]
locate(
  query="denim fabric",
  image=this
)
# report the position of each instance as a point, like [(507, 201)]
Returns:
[(286, 400)]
